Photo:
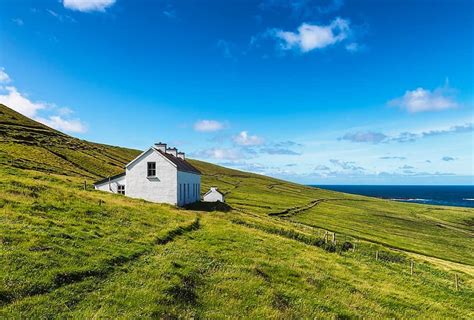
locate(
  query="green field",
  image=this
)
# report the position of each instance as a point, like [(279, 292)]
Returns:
[(66, 252)]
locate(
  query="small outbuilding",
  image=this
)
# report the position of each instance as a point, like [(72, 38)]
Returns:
[(213, 195)]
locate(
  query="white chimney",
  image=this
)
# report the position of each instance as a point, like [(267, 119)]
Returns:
[(172, 151), (161, 146), (181, 155)]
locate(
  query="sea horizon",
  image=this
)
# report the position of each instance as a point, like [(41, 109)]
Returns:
[(445, 195)]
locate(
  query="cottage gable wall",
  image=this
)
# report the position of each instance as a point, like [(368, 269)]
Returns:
[(161, 188)]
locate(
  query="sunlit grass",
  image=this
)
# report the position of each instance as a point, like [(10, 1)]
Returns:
[(66, 252)]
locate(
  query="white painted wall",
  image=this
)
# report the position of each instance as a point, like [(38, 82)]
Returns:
[(113, 185), (167, 186), (213, 196), (191, 183), (162, 188)]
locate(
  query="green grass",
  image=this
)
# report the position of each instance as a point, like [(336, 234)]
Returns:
[(73, 253)]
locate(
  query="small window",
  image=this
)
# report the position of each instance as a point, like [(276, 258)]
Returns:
[(151, 172), (121, 189)]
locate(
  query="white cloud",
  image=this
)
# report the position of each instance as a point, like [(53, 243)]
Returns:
[(208, 126), (60, 17), (4, 77), (420, 100), (406, 136), (15, 100), (310, 37), (88, 5), (18, 22), (56, 122), (244, 139), (353, 47), (368, 136), (220, 154), (170, 14), (226, 48), (448, 158)]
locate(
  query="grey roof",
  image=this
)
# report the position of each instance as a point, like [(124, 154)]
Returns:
[(181, 164), (110, 178), (215, 189)]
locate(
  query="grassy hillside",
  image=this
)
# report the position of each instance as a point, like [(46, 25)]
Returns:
[(69, 252)]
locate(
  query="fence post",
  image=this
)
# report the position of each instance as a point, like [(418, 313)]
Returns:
[(456, 281), (334, 237), (411, 267), (376, 255), (85, 184)]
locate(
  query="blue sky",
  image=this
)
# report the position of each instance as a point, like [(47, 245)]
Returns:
[(323, 92)]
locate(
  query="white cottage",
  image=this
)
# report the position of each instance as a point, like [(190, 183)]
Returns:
[(159, 174), (213, 195)]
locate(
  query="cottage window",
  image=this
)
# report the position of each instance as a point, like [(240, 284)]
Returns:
[(121, 189), (151, 172)]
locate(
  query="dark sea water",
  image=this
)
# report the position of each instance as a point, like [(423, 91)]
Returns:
[(460, 196)]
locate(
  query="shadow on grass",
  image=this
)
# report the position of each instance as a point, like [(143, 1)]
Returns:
[(209, 206)]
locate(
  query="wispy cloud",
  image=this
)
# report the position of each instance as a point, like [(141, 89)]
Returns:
[(19, 22), (170, 13), (346, 165), (379, 137), (245, 139), (18, 102), (226, 47), (321, 167), (4, 77), (353, 47), (448, 158), (281, 151), (310, 37), (220, 154), (368, 136), (303, 8), (411, 136), (208, 126), (60, 17), (421, 100), (59, 123), (246, 166), (12, 98), (392, 158), (88, 5)]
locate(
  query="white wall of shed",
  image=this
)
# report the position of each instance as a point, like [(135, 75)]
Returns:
[(112, 187), (213, 196)]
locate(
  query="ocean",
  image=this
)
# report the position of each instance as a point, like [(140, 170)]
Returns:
[(459, 196)]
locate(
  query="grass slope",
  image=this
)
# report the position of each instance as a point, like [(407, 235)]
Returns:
[(69, 252)]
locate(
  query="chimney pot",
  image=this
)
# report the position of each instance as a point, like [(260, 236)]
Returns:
[(161, 146), (181, 155), (172, 151)]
